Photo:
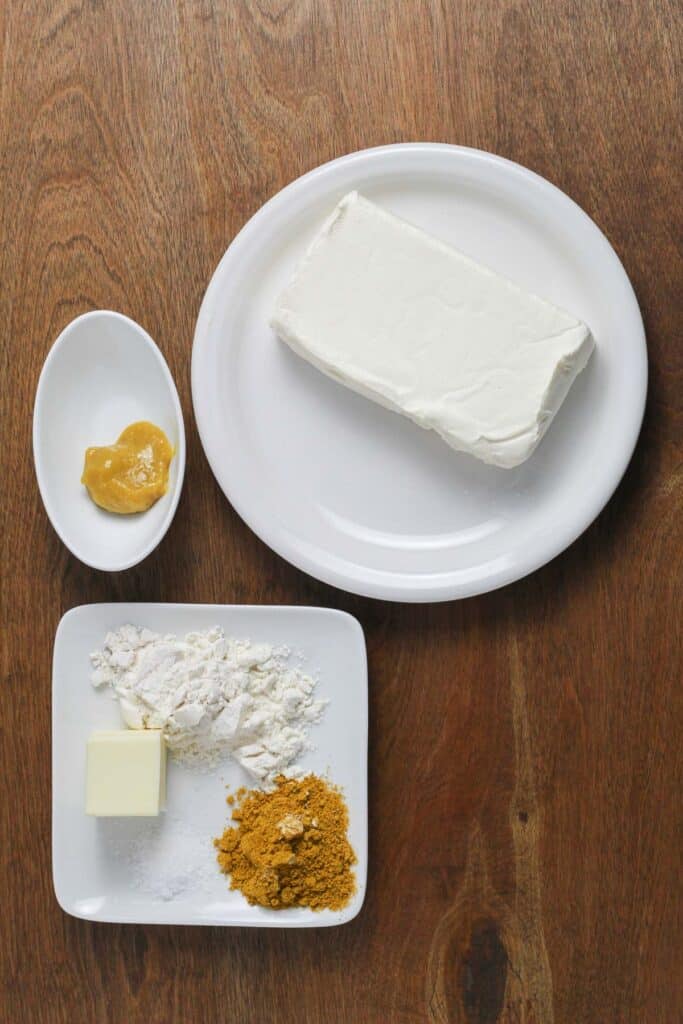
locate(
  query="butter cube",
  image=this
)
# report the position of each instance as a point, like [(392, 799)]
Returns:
[(126, 773)]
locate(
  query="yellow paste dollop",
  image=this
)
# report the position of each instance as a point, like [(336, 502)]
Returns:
[(130, 475)]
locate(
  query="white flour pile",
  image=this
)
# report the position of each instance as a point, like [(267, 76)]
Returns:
[(212, 696)]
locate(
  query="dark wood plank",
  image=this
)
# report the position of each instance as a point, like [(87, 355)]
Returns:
[(525, 763)]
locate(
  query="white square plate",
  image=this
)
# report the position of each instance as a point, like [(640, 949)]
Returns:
[(163, 870)]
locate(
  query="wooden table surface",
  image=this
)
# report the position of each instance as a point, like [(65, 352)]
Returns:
[(525, 757)]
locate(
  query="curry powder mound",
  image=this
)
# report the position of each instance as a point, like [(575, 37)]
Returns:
[(289, 848)]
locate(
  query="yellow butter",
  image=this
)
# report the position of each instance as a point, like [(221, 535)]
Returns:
[(126, 773)]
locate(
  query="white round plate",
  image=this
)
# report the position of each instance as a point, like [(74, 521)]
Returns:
[(360, 497)]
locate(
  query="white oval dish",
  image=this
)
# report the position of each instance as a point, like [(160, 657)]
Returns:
[(102, 373), (360, 497)]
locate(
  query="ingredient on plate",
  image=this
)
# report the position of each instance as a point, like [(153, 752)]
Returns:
[(290, 846), (417, 326), (126, 773), (212, 696), (132, 474), (164, 858)]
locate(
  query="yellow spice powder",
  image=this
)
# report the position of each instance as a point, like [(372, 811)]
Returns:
[(289, 847)]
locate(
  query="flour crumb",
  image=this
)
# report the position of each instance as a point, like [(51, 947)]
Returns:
[(213, 697)]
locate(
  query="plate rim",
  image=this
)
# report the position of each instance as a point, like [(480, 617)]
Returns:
[(402, 586), (321, 920)]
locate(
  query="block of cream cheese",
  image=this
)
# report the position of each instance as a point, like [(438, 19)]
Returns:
[(126, 773), (412, 323)]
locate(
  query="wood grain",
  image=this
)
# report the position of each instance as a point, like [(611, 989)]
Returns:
[(525, 769)]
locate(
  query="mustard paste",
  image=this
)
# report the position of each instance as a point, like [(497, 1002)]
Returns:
[(132, 474)]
